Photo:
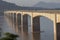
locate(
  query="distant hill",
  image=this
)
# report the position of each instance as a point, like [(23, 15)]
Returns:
[(47, 5), (8, 6)]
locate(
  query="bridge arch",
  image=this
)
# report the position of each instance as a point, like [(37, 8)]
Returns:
[(48, 15), (44, 26)]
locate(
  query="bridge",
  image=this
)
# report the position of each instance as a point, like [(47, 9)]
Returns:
[(43, 21)]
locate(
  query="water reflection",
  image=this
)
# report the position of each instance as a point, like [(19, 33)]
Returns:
[(35, 36), (25, 36), (30, 36)]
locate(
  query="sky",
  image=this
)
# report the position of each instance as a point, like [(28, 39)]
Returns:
[(29, 2)]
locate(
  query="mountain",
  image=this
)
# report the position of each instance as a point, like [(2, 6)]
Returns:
[(47, 5), (8, 6)]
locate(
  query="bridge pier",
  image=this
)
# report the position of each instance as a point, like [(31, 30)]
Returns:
[(10, 21)]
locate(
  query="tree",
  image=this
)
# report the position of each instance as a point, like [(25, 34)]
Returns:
[(9, 36)]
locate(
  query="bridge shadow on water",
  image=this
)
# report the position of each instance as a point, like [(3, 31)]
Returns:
[(31, 36)]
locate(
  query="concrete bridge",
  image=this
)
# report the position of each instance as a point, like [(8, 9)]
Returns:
[(47, 22)]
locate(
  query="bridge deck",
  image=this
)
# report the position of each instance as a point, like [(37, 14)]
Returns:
[(39, 11)]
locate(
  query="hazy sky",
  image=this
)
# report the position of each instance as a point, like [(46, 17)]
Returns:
[(29, 2)]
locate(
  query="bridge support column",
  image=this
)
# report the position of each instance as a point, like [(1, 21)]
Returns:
[(22, 26), (13, 22), (55, 30), (10, 21), (32, 24), (16, 25), (58, 26), (11, 18)]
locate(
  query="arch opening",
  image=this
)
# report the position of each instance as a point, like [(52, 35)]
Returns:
[(44, 26), (58, 30), (26, 23), (14, 18), (11, 17), (19, 21)]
